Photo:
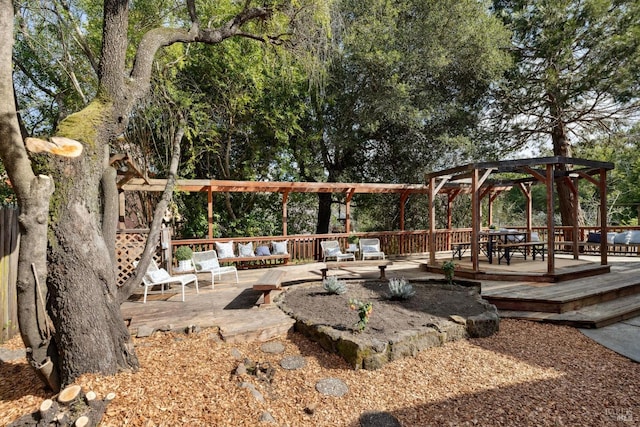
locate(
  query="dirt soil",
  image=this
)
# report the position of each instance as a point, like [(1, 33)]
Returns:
[(433, 303)]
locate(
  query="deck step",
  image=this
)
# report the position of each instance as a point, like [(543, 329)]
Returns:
[(592, 316), (564, 296)]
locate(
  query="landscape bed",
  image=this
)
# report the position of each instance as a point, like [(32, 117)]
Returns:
[(438, 312)]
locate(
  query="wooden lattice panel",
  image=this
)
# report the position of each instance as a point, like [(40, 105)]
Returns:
[(129, 248)]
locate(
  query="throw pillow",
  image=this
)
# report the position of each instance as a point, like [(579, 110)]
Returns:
[(158, 275), (622, 238), (635, 237), (593, 238), (535, 237), (610, 237), (334, 252), (210, 264), (370, 248), (263, 251), (280, 248), (245, 250), (225, 250)]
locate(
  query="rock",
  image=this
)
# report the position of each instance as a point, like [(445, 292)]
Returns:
[(311, 409), (272, 347), (241, 369), (458, 319), (379, 419), (255, 393), (266, 417), (332, 387), (192, 329), (144, 331), (293, 362), (236, 354), (483, 325)]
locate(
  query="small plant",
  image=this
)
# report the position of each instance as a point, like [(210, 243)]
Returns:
[(364, 311), (183, 253), (353, 239), (449, 269), (334, 286), (400, 289)]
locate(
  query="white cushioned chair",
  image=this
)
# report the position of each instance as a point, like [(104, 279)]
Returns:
[(159, 276), (370, 249), (207, 262), (331, 251)]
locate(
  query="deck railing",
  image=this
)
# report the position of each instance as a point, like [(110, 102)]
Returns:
[(306, 247)]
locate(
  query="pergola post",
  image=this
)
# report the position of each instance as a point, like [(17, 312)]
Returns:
[(210, 212), (551, 231), (347, 211), (475, 221), (432, 221), (603, 216), (285, 198)]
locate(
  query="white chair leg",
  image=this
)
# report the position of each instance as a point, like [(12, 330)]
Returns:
[(144, 301), (213, 275), (197, 290)]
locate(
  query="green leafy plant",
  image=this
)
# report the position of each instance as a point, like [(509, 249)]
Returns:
[(449, 269), (334, 286), (364, 312), (353, 239), (400, 289), (183, 253)]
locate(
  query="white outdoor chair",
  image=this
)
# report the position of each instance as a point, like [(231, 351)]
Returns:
[(370, 249), (331, 251), (207, 262), (159, 276)]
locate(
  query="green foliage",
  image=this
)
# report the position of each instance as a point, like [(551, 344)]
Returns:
[(183, 253), (449, 269), (400, 289), (334, 286), (364, 310), (576, 66)]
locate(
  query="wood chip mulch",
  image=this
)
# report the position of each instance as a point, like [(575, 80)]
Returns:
[(527, 374)]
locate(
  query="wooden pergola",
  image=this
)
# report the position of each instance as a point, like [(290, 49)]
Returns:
[(130, 183), (488, 179)]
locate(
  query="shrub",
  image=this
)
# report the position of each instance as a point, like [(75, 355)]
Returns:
[(400, 289), (364, 311), (334, 286), (183, 253), (449, 269)]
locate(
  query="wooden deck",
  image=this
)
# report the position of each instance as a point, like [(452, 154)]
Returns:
[(235, 309), (586, 302)]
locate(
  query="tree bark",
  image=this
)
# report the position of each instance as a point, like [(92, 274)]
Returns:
[(67, 264)]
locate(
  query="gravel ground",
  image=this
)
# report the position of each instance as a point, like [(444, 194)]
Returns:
[(527, 374)]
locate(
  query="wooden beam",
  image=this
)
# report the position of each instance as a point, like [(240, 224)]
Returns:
[(475, 221), (550, 225), (285, 219), (432, 221), (603, 216), (210, 213)]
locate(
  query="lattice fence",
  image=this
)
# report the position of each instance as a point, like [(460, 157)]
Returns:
[(129, 248)]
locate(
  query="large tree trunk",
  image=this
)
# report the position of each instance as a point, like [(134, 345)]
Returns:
[(324, 213), (83, 301), (82, 330), (567, 201)]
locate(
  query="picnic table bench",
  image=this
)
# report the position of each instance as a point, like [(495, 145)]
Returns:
[(506, 250)]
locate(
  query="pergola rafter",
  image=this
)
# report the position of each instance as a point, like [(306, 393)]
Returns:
[(285, 188)]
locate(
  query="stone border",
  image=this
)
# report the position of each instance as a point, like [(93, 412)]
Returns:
[(365, 352)]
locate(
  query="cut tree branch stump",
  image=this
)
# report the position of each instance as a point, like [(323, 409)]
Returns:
[(71, 408)]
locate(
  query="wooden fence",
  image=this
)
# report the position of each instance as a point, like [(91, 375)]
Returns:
[(9, 245)]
